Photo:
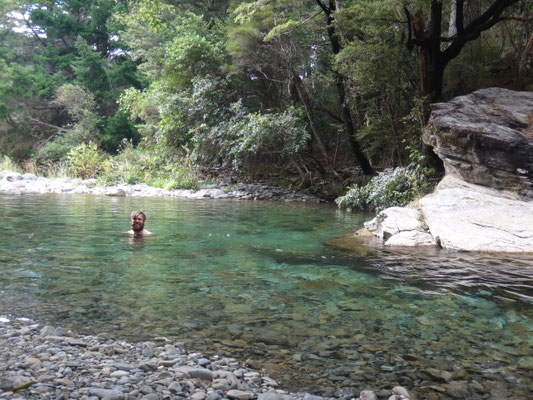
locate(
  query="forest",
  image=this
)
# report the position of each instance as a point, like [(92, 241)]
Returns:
[(320, 95)]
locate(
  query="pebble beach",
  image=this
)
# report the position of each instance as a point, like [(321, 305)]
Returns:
[(45, 362)]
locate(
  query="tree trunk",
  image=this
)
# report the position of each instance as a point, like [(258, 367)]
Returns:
[(339, 80)]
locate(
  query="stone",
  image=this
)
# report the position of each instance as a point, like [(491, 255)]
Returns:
[(47, 331), (106, 393), (201, 373), (367, 395), (203, 362), (239, 394), (12, 176), (151, 396), (115, 192), (400, 226), (486, 138), (29, 177), (401, 392), (225, 377), (64, 382), (443, 376), (175, 387), (198, 396), (149, 349), (119, 374), (274, 396), (312, 397), (60, 332), (413, 238)]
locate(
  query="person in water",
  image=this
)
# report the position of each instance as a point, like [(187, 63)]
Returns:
[(138, 218)]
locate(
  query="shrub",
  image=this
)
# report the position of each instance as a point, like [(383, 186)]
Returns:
[(84, 161), (7, 164), (392, 187), (155, 165), (249, 136)]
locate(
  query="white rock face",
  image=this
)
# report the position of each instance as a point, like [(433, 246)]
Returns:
[(463, 216), (399, 226), (460, 216)]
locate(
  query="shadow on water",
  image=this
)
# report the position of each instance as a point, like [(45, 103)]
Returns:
[(276, 283)]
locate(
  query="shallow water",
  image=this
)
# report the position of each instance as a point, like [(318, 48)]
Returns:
[(266, 281)]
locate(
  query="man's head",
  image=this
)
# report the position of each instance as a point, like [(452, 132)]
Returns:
[(137, 221)]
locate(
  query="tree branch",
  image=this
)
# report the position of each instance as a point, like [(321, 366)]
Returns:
[(323, 7), (58, 128), (33, 30)]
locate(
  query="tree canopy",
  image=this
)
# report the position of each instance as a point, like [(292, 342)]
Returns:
[(316, 86)]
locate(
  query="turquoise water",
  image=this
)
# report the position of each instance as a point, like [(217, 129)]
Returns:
[(266, 281)]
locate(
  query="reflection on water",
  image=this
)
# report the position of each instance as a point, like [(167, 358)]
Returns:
[(268, 282)]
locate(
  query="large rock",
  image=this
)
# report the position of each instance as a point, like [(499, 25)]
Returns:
[(463, 216), (460, 216), (486, 138), (399, 226)]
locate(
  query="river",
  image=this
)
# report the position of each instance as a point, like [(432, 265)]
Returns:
[(273, 282)]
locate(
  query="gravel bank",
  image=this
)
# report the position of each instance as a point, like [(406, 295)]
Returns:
[(43, 362), (14, 182)]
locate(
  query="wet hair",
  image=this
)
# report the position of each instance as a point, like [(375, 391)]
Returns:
[(136, 213)]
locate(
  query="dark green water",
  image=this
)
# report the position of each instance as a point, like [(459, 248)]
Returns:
[(260, 280)]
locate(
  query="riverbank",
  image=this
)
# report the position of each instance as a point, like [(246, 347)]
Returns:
[(43, 362), (14, 182)]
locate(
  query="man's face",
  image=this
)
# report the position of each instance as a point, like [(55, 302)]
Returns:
[(137, 223)]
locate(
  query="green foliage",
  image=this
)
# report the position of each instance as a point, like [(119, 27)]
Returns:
[(214, 82), (85, 160), (391, 187), (116, 128), (78, 102), (81, 106), (90, 69), (7, 164), (155, 165), (251, 136)]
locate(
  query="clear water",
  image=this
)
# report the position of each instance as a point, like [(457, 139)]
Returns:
[(273, 282)]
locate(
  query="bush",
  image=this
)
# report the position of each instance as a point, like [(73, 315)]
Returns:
[(250, 136), (7, 164), (392, 187), (155, 165), (84, 161)]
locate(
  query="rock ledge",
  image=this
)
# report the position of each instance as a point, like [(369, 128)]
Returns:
[(460, 216)]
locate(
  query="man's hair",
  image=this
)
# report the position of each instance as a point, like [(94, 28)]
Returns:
[(136, 213)]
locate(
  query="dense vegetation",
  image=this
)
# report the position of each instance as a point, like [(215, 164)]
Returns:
[(315, 93)]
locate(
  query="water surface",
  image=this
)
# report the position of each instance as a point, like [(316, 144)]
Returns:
[(266, 281)]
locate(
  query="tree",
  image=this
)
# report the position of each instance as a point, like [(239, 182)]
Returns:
[(280, 43), (435, 50)]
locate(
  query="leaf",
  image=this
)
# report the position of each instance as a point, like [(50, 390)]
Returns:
[(279, 30)]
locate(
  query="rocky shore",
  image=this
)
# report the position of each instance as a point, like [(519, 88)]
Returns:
[(43, 362), (14, 182)]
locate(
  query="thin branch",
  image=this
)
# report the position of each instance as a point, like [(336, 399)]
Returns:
[(518, 19), (58, 128), (33, 30)]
